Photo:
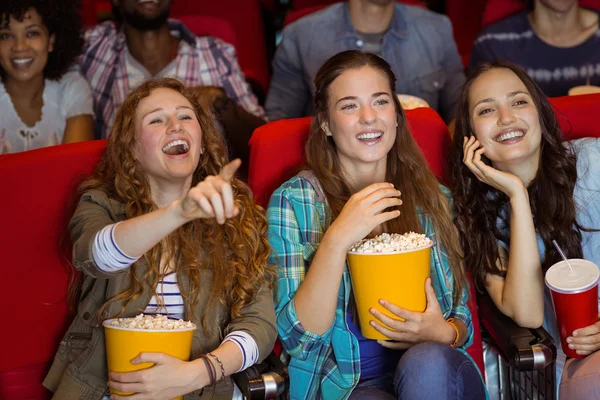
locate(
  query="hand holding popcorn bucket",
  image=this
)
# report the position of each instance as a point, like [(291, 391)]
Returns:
[(126, 338), (392, 267)]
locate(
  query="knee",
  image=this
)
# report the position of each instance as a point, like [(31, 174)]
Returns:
[(428, 356)]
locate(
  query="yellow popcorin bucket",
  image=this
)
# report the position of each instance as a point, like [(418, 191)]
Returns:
[(124, 344), (398, 277)]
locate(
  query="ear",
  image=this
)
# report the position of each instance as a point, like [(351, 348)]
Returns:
[(51, 40), (325, 127)]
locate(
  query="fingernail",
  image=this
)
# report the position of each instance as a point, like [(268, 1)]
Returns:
[(381, 302), (571, 346), (569, 340), (372, 324), (574, 333)]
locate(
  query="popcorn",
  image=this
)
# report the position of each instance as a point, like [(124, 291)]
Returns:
[(386, 243), (149, 322)]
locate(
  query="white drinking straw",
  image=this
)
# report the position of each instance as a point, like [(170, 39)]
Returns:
[(562, 254)]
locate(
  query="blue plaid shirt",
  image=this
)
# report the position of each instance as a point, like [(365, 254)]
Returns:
[(328, 365)]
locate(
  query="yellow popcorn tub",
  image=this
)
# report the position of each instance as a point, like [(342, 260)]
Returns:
[(124, 344), (398, 277)]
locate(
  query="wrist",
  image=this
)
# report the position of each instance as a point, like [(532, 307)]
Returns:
[(200, 374), (519, 195), (450, 333), (332, 243), (176, 210)]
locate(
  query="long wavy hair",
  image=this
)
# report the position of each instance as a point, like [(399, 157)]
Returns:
[(478, 206), (406, 166), (236, 252)]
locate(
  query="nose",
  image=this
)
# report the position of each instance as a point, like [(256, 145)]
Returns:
[(19, 44), (505, 116), (174, 125), (367, 115)]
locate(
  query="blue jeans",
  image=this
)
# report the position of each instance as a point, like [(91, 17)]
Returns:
[(426, 371)]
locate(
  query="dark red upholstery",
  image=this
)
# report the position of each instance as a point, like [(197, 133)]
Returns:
[(246, 21), (578, 115), (37, 189), (208, 25), (277, 153), (465, 16), (495, 10)]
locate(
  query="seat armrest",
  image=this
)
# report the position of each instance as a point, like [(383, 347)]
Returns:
[(266, 380), (525, 349)]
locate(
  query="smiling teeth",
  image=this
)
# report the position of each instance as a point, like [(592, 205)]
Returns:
[(364, 136), (510, 135), (22, 61), (176, 143)]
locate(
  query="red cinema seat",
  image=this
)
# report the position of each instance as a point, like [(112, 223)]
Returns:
[(246, 20), (37, 191)]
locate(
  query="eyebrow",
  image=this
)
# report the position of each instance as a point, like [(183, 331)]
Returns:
[(511, 94), (160, 109), (374, 95), (32, 26)]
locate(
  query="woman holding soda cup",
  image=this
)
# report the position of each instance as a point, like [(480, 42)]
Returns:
[(518, 187), (360, 156), (163, 226)]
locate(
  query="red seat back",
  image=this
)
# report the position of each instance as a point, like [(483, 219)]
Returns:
[(208, 25), (495, 10), (37, 190), (245, 18), (466, 16)]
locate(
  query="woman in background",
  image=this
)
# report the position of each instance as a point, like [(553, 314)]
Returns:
[(42, 102)]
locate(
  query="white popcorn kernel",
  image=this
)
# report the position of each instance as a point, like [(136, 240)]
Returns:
[(148, 322), (386, 243)]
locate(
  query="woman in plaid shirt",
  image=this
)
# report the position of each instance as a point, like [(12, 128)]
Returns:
[(360, 155)]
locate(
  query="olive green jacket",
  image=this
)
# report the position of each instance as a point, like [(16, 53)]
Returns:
[(79, 370)]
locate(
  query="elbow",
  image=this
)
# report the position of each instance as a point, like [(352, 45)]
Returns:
[(529, 321)]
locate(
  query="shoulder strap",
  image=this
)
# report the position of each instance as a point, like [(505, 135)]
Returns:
[(314, 181)]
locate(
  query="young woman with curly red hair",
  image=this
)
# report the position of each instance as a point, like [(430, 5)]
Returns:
[(163, 226)]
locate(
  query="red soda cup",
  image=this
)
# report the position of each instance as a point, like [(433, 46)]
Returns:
[(575, 297)]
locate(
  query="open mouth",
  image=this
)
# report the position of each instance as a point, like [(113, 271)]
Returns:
[(369, 136), (176, 148), (22, 62), (147, 1), (510, 135)]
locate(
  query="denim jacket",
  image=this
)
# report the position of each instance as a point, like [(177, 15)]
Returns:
[(418, 45)]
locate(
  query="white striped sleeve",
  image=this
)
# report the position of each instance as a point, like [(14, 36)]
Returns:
[(247, 346), (107, 254)]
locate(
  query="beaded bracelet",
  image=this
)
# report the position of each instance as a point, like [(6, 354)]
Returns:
[(220, 364)]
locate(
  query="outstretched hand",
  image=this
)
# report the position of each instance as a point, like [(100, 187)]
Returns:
[(506, 182), (213, 197)]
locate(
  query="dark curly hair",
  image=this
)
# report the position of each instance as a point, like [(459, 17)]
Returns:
[(63, 20), (479, 206)]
